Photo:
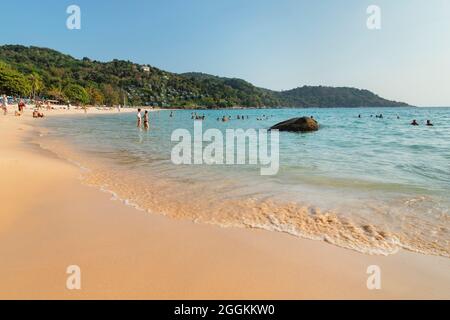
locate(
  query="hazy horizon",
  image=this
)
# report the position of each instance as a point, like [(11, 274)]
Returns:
[(278, 46)]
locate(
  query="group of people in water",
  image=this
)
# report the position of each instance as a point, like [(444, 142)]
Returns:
[(143, 118), (196, 116), (428, 123), (226, 118), (242, 117), (413, 123)]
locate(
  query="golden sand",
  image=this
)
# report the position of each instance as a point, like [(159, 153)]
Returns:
[(49, 220)]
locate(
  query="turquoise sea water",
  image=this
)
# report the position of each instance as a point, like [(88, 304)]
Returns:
[(369, 184)]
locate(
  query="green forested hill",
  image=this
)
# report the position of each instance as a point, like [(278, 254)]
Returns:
[(33, 71), (321, 96)]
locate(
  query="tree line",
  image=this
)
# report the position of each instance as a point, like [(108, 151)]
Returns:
[(48, 74)]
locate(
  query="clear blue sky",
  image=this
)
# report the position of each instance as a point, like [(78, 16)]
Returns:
[(277, 44)]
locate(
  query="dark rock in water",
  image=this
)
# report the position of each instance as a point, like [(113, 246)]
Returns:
[(303, 124)]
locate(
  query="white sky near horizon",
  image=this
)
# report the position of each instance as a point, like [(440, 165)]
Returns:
[(273, 44)]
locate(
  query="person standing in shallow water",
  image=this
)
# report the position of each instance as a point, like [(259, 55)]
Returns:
[(429, 123), (139, 118), (146, 126)]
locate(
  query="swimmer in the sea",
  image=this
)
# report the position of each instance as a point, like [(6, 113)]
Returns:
[(146, 120)]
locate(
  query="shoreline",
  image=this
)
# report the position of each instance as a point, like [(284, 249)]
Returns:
[(52, 220)]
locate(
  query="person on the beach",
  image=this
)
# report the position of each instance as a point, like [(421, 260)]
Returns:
[(146, 119), (37, 114), (5, 105), (21, 106), (139, 118), (429, 123), (414, 123)]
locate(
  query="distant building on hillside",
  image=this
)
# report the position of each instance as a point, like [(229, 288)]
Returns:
[(145, 68)]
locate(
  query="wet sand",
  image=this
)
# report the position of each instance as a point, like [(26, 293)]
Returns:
[(50, 220)]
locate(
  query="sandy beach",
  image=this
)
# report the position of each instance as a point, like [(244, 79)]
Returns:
[(49, 220)]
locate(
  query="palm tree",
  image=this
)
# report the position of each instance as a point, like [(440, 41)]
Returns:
[(36, 84)]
